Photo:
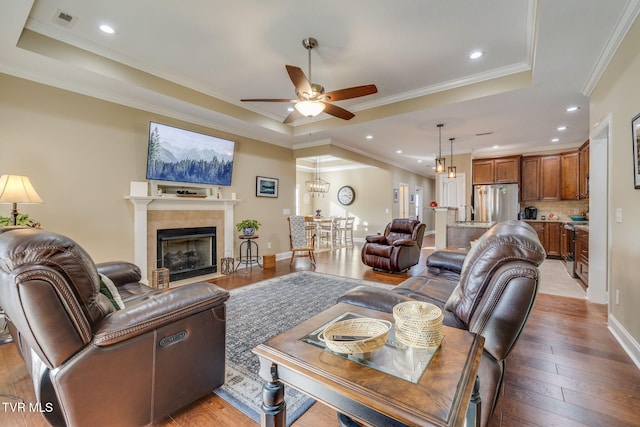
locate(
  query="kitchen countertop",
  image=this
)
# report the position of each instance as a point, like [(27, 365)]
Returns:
[(564, 221), (472, 224), (584, 227)]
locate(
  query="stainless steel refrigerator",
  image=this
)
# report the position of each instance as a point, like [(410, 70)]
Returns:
[(497, 202)]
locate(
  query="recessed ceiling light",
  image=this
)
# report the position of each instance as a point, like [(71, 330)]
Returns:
[(419, 160), (476, 54), (290, 109), (555, 140), (107, 29), (561, 128), (496, 146), (572, 109), (399, 151), (369, 136)]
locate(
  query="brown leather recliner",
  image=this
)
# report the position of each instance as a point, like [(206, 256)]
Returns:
[(397, 249), (93, 365), (490, 292)]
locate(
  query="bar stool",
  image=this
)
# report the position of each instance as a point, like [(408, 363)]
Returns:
[(247, 256)]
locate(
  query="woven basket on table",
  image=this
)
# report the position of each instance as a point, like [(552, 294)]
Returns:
[(418, 324), (361, 335)]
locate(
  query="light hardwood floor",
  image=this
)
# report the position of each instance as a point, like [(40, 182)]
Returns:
[(566, 370)]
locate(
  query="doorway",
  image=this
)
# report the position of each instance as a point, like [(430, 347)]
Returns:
[(419, 204), (404, 201)]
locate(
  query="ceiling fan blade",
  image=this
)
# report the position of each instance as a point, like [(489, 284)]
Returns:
[(338, 112), (267, 100), (352, 92), (298, 79), (295, 115)]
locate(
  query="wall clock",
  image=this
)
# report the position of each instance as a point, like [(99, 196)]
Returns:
[(346, 195)]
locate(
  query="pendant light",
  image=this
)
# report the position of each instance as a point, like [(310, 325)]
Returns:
[(440, 161), (452, 169)]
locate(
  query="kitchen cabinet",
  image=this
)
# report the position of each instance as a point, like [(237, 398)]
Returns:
[(550, 178), (483, 171), (583, 185), (574, 170), (550, 235), (539, 228), (530, 184), (540, 178), (570, 175), (499, 170), (552, 232), (582, 255)]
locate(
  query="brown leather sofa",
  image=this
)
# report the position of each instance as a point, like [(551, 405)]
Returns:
[(490, 291), (93, 365), (397, 249)]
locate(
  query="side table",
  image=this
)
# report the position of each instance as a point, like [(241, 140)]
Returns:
[(247, 248)]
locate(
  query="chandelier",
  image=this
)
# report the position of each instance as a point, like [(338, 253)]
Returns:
[(317, 186), (440, 161)]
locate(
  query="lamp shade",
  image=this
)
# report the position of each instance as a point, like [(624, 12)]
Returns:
[(17, 189), (309, 108)]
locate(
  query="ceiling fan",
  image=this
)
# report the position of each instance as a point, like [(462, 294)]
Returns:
[(312, 100)]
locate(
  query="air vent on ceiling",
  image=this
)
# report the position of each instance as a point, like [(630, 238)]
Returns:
[(484, 134), (64, 19)]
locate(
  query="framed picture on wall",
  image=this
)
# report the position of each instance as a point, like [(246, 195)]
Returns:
[(396, 195), (266, 187), (635, 139)]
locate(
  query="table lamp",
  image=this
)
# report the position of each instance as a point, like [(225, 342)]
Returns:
[(16, 189)]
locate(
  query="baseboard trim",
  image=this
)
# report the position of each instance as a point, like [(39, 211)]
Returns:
[(629, 345)]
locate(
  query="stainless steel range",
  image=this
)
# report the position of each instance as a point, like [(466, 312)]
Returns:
[(570, 262)]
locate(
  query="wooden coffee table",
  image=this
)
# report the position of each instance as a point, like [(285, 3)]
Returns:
[(440, 397)]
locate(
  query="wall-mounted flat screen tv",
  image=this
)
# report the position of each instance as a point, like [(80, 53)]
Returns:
[(183, 156)]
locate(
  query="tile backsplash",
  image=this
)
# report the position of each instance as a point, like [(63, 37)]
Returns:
[(561, 208)]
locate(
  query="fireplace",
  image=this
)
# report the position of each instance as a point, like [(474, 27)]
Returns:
[(187, 252)]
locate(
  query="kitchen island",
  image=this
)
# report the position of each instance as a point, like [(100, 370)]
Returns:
[(460, 234)]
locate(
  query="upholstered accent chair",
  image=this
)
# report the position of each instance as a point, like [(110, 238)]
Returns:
[(397, 249), (300, 243), (126, 355)]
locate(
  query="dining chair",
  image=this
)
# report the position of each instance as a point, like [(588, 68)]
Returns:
[(300, 245), (347, 230), (329, 231)]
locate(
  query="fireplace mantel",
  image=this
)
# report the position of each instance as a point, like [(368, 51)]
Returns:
[(143, 204)]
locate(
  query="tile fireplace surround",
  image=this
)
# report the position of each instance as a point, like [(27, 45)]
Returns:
[(152, 213)]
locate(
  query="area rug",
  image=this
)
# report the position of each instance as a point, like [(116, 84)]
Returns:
[(258, 312)]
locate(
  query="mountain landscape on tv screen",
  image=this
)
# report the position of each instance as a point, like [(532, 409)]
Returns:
[(183, 156)]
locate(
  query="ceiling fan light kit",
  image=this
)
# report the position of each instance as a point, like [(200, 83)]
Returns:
[(312, 100), (309, 108)]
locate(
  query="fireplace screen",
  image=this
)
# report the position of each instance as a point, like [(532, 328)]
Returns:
[(187, 252)]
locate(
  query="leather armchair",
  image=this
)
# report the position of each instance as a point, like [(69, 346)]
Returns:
[(490, 292), (92, 364), (397, 249)]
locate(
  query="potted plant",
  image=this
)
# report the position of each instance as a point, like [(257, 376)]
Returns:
[(248, 226), (22, 219)]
